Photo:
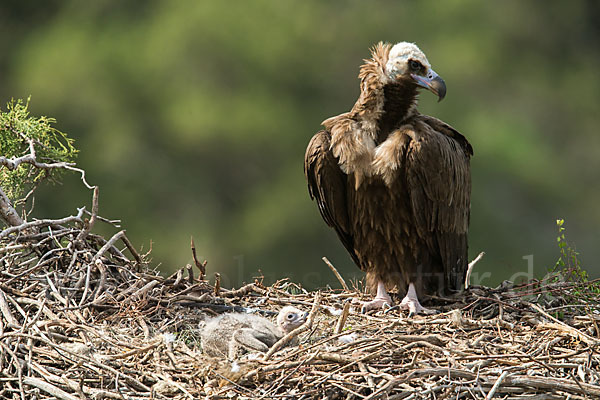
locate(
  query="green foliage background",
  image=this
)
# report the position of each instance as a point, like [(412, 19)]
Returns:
[(17, 129), (193, 117)]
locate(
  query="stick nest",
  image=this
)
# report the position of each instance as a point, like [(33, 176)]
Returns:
[(80, 319)]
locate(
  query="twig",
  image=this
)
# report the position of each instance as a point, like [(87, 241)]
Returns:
[(497, 384), (190, 272), (336, 273), (81, 173), (7, 212), (470, 269), (340, 386), (102, 283), (368, 377), (217, 284), (431, 339), (48, 388), (244, 290), (339, 326), (131, 249), (108, 245), (87, 285), (6, 311), (90, 224), (144, 290), (43, 222), (199, 265)]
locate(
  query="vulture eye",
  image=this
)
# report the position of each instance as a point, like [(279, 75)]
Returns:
[(290, 316), (415, 65)]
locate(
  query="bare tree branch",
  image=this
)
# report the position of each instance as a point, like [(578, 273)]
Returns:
[(8, 212), (43, 222), (90, 224), (13, 163)]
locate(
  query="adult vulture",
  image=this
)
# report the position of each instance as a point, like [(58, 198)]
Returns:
[(393, 183)]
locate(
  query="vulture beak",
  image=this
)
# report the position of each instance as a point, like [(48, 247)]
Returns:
[(432, 82)]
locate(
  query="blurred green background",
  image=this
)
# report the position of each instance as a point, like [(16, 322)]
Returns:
[(193, 117)]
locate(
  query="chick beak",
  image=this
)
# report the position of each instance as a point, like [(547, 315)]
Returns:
[(432, 82), (303, 317)]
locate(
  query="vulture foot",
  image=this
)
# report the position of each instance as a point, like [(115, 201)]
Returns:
[(382, 300), (411, 303), (376, 304)]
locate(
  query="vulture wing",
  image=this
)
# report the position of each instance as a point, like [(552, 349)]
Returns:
[(327, 184), (439, 179)]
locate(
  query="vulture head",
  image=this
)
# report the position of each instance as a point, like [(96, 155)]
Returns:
[(407, 64), (290, 318)]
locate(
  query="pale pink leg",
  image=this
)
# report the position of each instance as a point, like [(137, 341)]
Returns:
[(411, 303), (381, 300)]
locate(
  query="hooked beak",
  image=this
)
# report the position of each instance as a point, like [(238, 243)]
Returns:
[(432, 82)]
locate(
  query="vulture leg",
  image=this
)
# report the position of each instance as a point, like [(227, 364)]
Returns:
[(411, 303), (381, 300)]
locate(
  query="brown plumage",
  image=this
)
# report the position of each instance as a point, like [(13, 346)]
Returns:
[(393, 183)]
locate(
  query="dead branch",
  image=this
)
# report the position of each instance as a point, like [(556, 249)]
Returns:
[(7, 212), (336, 273), (90, 224), (199, 265), (470, 269), (43, 223)]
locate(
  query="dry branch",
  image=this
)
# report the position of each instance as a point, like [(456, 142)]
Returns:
[(200, 265), (49, 388), (43, 223), (336, 273), (470, 269), (339, 326), (92, 221), (7, 212)]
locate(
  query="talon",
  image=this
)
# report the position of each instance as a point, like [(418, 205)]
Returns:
[(391, 309)]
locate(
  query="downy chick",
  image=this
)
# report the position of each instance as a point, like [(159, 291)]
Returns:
[(233, 333)]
